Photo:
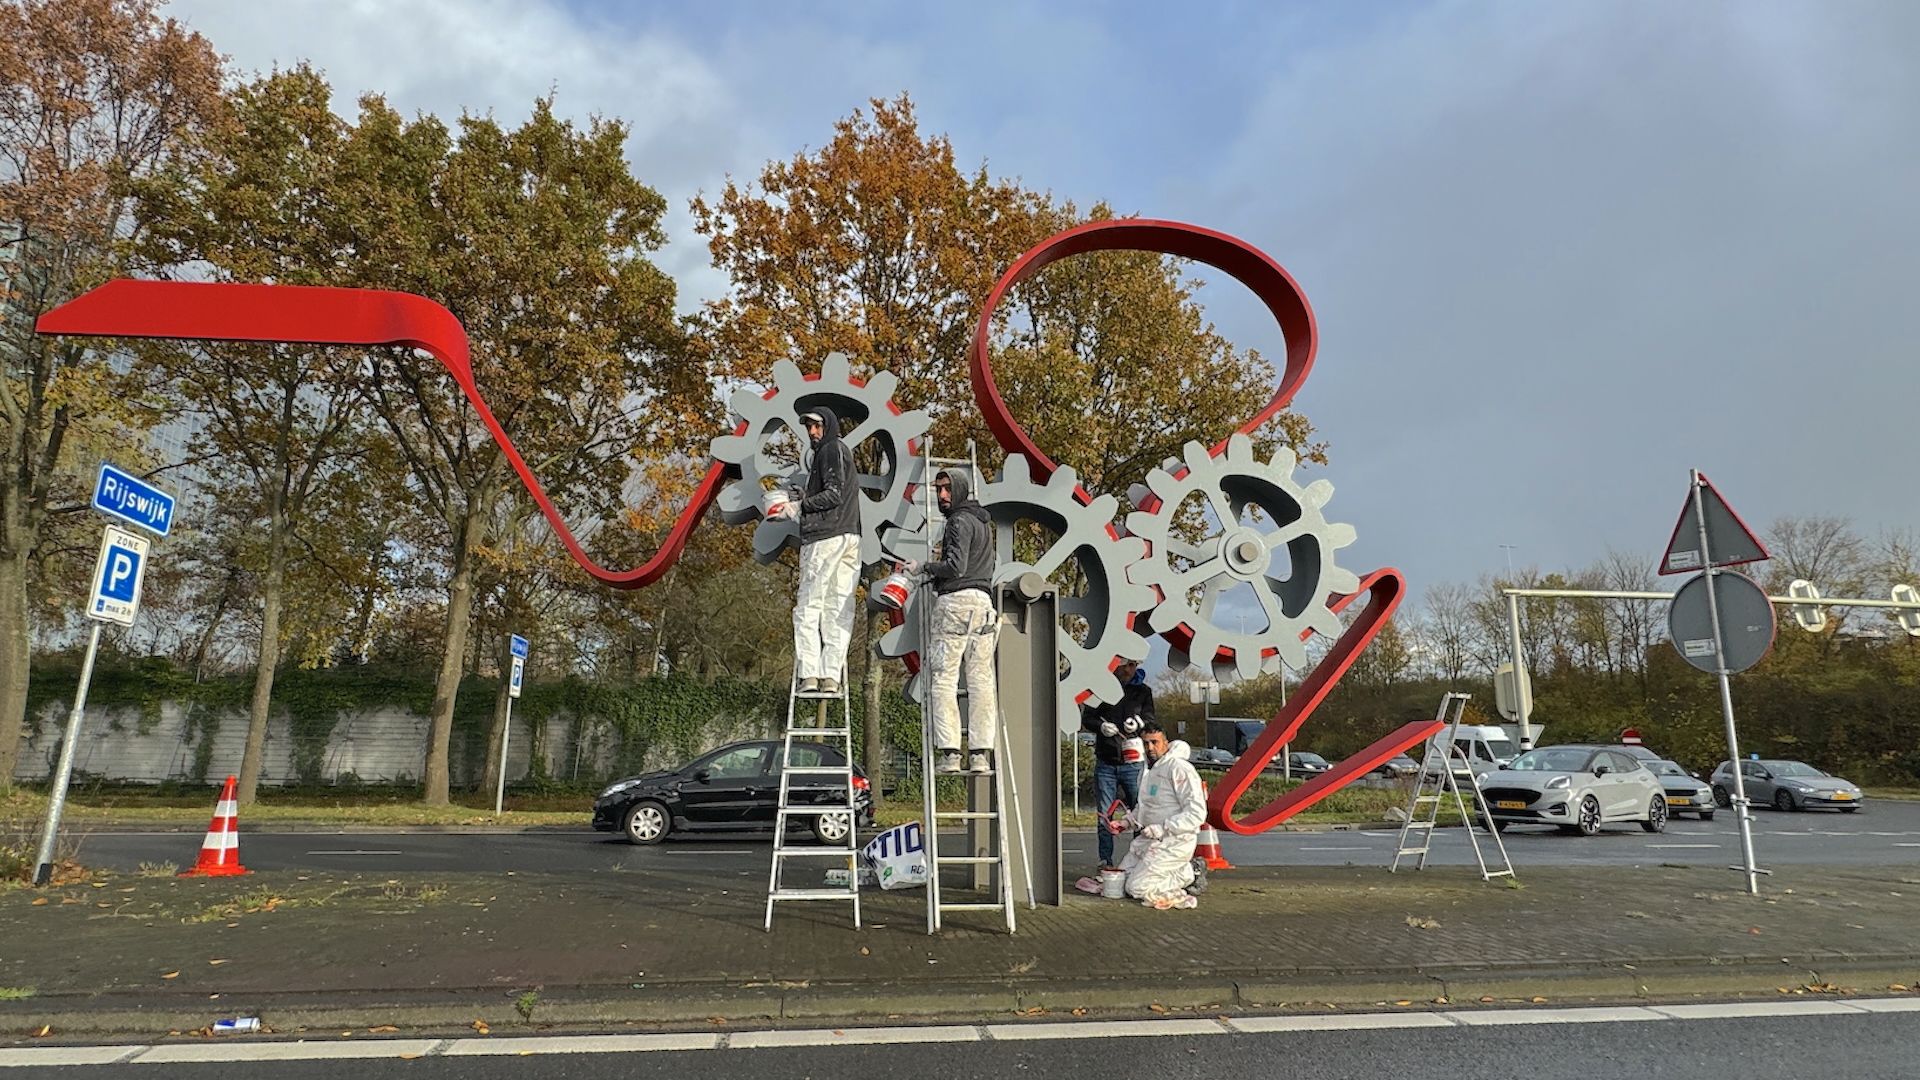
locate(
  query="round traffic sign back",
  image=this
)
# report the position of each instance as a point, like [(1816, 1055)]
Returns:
[(1746, 621)]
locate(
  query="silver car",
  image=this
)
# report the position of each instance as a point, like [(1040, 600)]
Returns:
[(1576, 788), (1787, 785), (1686, 793)]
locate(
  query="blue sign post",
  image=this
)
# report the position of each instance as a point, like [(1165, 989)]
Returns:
[(517, 646), (133, 500)]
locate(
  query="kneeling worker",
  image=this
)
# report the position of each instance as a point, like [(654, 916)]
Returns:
[(1160, 867), (965, 626)]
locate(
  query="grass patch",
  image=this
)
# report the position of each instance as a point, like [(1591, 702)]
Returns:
[(1895, 794), (161, 869), (318, 805), (15, 993), (525, 1003)]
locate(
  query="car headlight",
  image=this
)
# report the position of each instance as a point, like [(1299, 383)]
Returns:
[(618, 788), (1560, 783)]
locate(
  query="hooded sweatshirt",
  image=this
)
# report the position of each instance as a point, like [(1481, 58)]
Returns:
[(830, 502), (1129, 714), (967, 559)]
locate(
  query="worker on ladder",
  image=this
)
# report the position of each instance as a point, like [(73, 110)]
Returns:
[(829, 515), (965, 626)]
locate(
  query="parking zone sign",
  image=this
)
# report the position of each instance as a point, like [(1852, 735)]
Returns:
[(117, 577)]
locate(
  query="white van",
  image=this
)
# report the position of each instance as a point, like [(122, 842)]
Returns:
[(1486, 748)]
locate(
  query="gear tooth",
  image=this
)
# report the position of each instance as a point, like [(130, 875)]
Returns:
[(1240, 449), (1163, 485), (835, 369), (732, 449), (1317, 494), (1339, 579), (1284, 461), (1293, 651), (1104, 507), (1197, 456), (787, 377), (1064, 478), (1164, 618), (883, 384), (1324, 621), (1016, 470), (1246, 662), (1339, 535)]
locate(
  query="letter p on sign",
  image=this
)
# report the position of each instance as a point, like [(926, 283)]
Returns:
[(117, 577)]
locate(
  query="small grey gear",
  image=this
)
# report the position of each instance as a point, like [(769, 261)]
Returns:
[(1083, 531), (1293, 596), (759, 417)]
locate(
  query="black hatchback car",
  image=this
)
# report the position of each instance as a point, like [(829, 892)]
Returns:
[(734, 788)]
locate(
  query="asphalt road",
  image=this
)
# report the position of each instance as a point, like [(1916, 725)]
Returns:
[(1857, 1046), (1880, 834)]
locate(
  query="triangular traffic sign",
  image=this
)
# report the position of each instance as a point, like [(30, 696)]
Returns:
[(1729, 541)]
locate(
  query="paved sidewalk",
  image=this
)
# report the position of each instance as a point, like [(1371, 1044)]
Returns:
[(661, 949)]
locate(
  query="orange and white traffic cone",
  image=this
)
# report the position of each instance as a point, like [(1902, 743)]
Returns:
[(220, 851), (1209, 846)]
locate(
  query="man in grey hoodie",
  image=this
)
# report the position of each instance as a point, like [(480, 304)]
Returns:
[(965, 626), (829, 515)]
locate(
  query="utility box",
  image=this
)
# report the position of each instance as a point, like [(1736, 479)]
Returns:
[(1026, 664)]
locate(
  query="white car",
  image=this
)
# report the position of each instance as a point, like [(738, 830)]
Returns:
[(1577, 788)]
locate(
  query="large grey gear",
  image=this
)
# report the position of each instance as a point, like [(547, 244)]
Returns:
[(1083, 531), (761, 416), (1242, 552)]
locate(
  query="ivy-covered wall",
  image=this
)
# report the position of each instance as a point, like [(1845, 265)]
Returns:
[(149, 722)]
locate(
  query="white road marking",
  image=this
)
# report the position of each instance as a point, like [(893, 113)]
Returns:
[(287, 1051), (580, 1044), (1103, 1029), (1897, 843), (710, 851), (747, 1040), (1339, 1022), (509, 1045), (1337, 849), (1682, 845), (356, 852)]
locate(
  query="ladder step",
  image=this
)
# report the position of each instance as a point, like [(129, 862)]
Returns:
[(944, 906), (818, 770), (970, 860), (815, 695), (1417, 825), (1499, 873), (819, 852), (813, 894), (813, 811), (819, 731), (967, 815), (1412, 851)]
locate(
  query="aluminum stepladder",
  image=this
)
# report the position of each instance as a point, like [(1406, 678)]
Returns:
[(787, 813), (1442, 773), (998, 784)]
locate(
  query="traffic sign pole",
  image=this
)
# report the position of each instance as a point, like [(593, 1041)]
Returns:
[(517, 646), (43, 872), (1740, 808)]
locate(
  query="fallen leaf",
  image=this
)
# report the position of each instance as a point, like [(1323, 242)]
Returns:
[(44, 1031), (863, 950), (1079, 1012), (716, 1019), (216, 963), (1486, 999), (411, 1057), (481, 1026), (99, 884), (1538, 1000), (1158, 1008), (1404, 1002), (1753, 930), (171, 975), (1419, 923), (40, 901), (381, 1028)]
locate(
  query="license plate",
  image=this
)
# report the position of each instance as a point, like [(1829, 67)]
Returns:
[(1677, 800), (1841, 796), (1510, 804)]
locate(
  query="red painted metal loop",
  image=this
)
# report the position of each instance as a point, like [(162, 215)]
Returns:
[(301, 314), (1384, 589), (1244, 262)]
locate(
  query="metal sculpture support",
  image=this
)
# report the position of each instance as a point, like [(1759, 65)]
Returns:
[(1285, 551)]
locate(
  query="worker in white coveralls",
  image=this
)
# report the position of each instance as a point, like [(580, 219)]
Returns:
[(1160, 866), (829, 516), (966, 627)]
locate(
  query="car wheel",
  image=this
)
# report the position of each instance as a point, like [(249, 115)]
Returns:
[(1656, 820), (1500, 826), (647, 822), (1706, 815), (1848, 809), (832, 829), (1783, 801), (1720, 797), (1589, 816)]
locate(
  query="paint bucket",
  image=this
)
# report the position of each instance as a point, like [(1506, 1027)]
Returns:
[(1133, 751), (1113, 884), (893, 592), (773, 502)]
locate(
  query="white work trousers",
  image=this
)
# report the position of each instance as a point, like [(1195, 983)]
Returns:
[(965, 631), (823, 612)]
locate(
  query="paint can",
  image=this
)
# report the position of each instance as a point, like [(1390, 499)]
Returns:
[(1113, 884), (774, 501), (892, 593), (1133, 751)]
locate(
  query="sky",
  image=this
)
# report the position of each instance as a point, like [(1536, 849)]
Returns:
[(1559, 253)]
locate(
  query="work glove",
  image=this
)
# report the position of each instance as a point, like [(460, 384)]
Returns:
[(788, 512), (911, 567), (1107, 728), (1132, 724), (1152, 832)]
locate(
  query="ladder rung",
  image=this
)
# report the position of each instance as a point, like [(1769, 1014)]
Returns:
[(813, 894), (1412, 851), (821, 851), (1418, 825), (970, 860), (1498, 873), (819, 731), (966, 815), (818, 770), (815, 695), (944, 906)]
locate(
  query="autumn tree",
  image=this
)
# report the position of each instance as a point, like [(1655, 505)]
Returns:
[(262, 203), (536, 239), (93, 94)]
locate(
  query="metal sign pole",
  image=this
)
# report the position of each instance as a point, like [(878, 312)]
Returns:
[(500, 788), (44, 871), (1522, 701), (1726, 693)]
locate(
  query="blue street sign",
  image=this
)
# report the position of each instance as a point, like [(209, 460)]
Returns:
[(517, 645), (514, 679), (133, 500), (117, 577)]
